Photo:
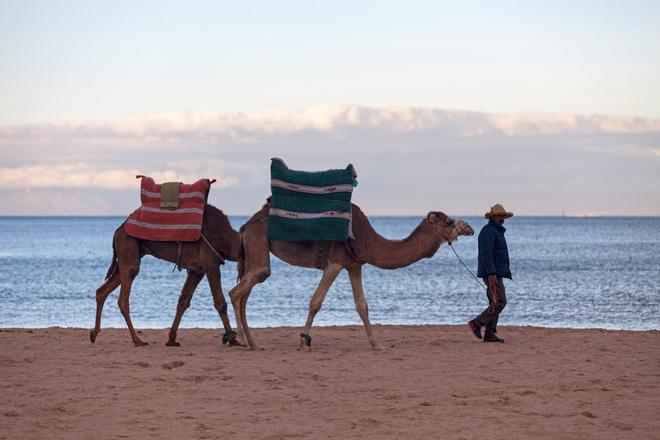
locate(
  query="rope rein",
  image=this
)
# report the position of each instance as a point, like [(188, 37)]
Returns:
[(466, 268), (212, 248)]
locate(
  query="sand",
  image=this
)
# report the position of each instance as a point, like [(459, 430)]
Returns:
[(431, 382)]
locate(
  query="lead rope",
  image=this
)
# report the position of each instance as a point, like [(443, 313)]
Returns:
[(466, 268), (213, 249)]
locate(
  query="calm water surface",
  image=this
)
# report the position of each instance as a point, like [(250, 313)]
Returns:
[(568, 272)]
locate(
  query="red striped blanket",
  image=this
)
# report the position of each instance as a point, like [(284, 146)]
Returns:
[(150, 222)]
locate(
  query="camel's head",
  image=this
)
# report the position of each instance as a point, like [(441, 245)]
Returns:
[(448, 228)]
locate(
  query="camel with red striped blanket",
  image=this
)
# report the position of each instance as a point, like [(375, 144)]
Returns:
[(218, 242)]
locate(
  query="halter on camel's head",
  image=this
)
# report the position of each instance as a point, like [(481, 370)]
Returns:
[(447, 228)]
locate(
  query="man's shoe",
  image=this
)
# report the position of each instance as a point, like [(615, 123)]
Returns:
[(476, 329), (493, 338)]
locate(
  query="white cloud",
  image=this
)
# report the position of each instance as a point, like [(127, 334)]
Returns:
[(81, 175), (534, 124), (628, 150), (163, 128), (405, 157), (398, 119)]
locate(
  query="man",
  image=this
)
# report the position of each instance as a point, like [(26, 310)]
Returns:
[(493, 267)]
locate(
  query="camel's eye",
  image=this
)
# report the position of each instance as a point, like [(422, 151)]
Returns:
[(449, 222)]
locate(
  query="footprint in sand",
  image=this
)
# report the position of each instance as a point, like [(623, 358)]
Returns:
[(525, 392), (171, 365)]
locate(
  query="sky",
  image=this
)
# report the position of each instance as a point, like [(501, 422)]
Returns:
[(545, 107)]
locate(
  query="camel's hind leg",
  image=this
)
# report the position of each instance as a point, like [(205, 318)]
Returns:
[(246, 327), (127, 276), (239, 296), (355, 275), (236, 295), (256, 270), (184, 302), (220, 304), (101, 295), (329, 275)]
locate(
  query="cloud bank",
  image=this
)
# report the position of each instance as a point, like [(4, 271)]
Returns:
[(153, 127), (82, 175), (408, 159)]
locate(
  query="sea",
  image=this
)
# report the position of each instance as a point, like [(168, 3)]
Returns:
[(568, 272)]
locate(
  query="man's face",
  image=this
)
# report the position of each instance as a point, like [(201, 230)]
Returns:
[(499, 219)]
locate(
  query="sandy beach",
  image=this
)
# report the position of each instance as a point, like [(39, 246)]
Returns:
[(431, 382)]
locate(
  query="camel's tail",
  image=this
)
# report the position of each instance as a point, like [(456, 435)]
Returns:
[(113, 264), (259, 216), (240, 266)]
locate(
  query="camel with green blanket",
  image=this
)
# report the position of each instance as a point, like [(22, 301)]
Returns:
[(367, 247)]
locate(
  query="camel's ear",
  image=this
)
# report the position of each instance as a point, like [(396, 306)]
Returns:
[(433, 217)]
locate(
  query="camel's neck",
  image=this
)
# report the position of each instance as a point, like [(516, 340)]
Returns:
[(221, 235), (393, 254), (234, 244)]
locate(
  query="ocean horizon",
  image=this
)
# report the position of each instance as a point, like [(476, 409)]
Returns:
[(569, 272)]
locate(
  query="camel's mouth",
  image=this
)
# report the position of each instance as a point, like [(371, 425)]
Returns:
[(463, 228), (460, 228)]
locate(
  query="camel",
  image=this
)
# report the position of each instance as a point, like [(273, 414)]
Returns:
[(199, 258), (367, 247)]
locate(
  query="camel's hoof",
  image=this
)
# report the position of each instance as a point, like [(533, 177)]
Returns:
[(378, 347), (140, 343), (242, 342), (304, 347), (92, 336), (256, 348), (305, 341), (173, 344), (235, 343), (228, 337)]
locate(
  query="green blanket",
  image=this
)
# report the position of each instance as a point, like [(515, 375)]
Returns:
[(310, 205)]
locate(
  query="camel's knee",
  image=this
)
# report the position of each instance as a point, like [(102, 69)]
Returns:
[(261, 276), (123, 305), (133, 272), (220, 306), (101, 295), (244, 287), (184, 303), (362, 308), (235, 295), (314, 307), (107, 288)]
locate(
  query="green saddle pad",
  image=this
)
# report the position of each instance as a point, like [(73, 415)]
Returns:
[(310, 205)]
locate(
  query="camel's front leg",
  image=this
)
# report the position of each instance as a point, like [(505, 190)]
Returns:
[(329, 275), (184, 302), (355, 275)]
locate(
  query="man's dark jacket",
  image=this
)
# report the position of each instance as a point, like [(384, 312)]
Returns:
[(493, 252)]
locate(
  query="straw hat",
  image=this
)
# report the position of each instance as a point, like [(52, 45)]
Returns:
[(498, 210)]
